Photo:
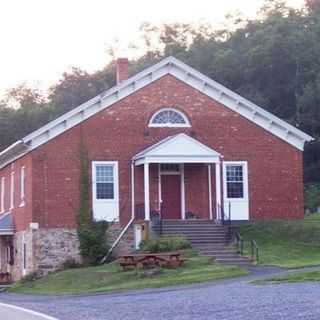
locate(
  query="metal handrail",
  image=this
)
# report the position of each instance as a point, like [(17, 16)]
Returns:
[(222, 216), (239, 243)]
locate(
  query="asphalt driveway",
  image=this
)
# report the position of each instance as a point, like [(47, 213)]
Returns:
[(224, 300)]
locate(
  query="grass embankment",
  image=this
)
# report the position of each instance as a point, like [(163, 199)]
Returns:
[(110, 277), (293, 277), (291, 244)]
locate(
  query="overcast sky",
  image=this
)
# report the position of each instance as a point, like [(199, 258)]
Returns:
[(42, 38)]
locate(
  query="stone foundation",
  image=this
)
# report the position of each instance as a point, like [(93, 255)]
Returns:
[(54, 247), (45, 250), (126, 244)]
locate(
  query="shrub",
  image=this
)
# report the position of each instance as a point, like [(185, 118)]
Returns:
[(312, 197), (70, 263), (93, 242), (163, 244)]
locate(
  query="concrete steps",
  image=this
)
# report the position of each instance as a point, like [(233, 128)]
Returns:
[(212, 240)]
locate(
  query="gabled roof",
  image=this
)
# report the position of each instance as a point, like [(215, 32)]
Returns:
[(181, 71), (6, 224), (179, 148)]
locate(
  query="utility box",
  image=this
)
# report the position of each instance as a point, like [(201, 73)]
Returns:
[(140, 233)]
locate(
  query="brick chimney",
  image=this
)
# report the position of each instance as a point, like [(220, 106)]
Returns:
[(122, 69)]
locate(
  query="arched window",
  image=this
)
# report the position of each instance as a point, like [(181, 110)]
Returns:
[(169, 117)]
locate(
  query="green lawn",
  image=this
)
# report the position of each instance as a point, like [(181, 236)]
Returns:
[(110, 277), (290, 244), (293, 277)]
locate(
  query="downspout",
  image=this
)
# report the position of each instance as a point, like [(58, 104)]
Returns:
[(124, 230)]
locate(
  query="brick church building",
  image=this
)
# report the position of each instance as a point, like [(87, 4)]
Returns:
[(168, 141)]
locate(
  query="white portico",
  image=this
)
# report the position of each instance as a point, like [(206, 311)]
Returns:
[(172, 154)]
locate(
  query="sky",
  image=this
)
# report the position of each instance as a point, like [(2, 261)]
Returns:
[(40, 39)]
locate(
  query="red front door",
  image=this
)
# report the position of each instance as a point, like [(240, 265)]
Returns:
[(171, 196)]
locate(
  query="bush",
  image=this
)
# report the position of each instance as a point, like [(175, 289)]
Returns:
[(93, 242), (163, 244), (312, 197), (70, 263)]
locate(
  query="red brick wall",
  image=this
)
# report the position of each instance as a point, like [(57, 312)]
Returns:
[(22, 215), (121, 131)]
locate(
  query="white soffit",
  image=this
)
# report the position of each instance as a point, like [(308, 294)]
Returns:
[(188, 75)]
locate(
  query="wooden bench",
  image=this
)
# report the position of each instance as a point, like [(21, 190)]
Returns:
[(147, 260)]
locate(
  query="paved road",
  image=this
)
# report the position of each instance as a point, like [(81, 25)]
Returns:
[(224, 300), (9, 312)]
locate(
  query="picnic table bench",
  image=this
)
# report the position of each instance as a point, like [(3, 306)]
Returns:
[(145, 260)]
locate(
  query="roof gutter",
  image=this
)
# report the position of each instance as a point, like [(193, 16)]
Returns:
[(13, 152)]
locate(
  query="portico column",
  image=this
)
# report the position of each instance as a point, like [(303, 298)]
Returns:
[(210, 191), (146, 193), (218, 190)]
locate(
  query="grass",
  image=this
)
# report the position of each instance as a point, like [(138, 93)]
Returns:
[(110, 277), (293, 277), (290, 244)]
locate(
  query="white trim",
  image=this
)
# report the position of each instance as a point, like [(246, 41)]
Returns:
[(22, 186), (210, 192), (239, 206), (181, 71), (164, 152), (146, 193), (12, 193), (169, 125), (115, 180), (159, 188), (244, 165), (218, 190), (111, 205), (33, 313), (2, 195), (183, 193)]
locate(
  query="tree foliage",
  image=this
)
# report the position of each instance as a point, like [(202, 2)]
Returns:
[(272, 60)]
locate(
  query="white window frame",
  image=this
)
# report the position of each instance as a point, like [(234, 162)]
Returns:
[(22, 186), (2, 195), (169, 125), (12, 190), (244, 165), (114, 164)]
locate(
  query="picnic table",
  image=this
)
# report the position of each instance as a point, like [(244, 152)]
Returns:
[(146, 260), (5, 277)]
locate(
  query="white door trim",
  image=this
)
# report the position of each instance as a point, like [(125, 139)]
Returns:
[(103, 206), (239, 206)]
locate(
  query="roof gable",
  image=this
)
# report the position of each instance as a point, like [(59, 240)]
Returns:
[(181, 71), (180, 146)]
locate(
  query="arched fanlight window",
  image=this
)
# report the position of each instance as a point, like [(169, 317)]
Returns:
[(169, 117)]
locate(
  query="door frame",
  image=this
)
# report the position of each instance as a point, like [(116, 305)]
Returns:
[(244, 201), (180, 172)]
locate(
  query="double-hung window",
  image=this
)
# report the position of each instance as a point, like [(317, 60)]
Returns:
[(235, 187), (105, 181), (235, 180)]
